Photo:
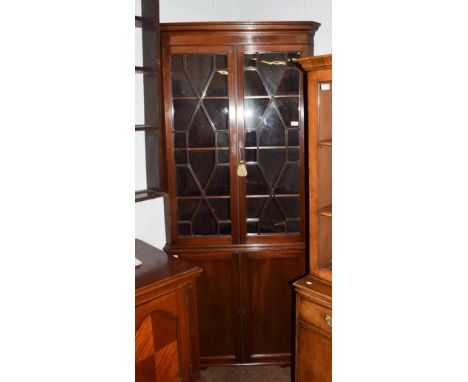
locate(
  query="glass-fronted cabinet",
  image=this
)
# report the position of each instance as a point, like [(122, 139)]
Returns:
[(213, 132), (234, 133)]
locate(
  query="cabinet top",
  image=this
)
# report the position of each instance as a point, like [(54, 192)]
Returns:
[(158, 267), (316, 62), (314, 288), (241, 26)]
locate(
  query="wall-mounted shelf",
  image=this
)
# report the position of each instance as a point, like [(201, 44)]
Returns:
[(145, 69), (143, 195), (151, 125), (144, 22), (146, 128)]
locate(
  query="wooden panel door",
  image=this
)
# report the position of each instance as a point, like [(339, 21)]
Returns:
[(218, 307), (159, 334), (267, 301), (314, 354)]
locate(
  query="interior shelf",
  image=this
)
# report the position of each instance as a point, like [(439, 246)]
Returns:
[(146, 127), (144, 69), (143, 195), (328, 266), (326, 211), (326, 142)]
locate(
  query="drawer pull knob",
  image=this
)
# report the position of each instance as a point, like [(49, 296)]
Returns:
[(329, 320)]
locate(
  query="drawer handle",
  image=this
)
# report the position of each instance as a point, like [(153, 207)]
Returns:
[(329, 320)]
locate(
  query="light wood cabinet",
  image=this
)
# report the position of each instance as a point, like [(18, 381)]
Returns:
[(314, 292), (313, 330)]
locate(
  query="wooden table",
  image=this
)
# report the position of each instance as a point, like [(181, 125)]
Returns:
[(166, 322)]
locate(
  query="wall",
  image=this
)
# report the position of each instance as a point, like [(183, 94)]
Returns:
[(149, 215)]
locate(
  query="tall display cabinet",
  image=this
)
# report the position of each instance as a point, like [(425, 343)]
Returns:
[(234, 118), (314, 292)]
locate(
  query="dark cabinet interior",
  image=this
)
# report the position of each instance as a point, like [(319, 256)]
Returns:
[(233, 97)]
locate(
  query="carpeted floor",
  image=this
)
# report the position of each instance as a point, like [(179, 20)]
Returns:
[(246, 374)]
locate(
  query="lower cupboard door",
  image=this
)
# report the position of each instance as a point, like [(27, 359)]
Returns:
[(267, 299), (314, 355), (218, 307)]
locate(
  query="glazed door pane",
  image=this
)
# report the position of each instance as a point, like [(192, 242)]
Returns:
[(272, 130), (201, 140)]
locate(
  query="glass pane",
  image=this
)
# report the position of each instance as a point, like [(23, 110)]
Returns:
[(293, 226), (186, 208), (254, 182), (293, 155), (218, 85), (293, 137), (201, 133), (271, 162), (202, 163), (252, 227), (271, 67), (219, 183), (272, 130), (224, 228), (183, 229), (180, 140), (180, 156), (290, 206), (223, 156), (251, 155), (272, 220), (254, 109), (177, 62), (180, 85), (203, 222), (183, 111), (218, 112), (289, 181), (221, 208), (254, 207), (185, 183), (290, 83), (253, 85), (289, 110), (250, 139), (222, 140), (198, 68)]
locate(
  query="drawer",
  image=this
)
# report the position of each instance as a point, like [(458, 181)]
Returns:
[(316, 315)]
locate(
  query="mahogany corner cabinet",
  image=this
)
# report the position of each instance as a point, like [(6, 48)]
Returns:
[(234, 133)]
